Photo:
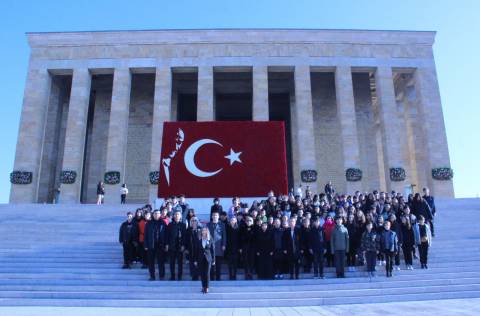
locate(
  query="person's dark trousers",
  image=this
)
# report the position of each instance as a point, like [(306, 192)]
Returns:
[(329, 255), (216, 270), (205, 269), (431, 227), (340, 263), (128, 253), (176, 256), (307, 262), (140, 253), (123, 197), (360, 257), (249, 264), (423, 250), (264, 267), (408, 254), (294, 267), (389, 257), (397, 258), (278, 262), (232, 261), (371, 257), (156, 255), (318, 264), (194, 270), (380, 256), (351, 257)]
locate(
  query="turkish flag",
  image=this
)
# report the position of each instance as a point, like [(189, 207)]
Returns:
[(222, 159)]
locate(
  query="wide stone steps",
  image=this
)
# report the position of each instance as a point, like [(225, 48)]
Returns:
[(59, 255)]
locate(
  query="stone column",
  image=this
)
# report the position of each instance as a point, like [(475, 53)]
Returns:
[(162, 108), (390, 127), (205, 94), (305, 138), (118, 131), (30, 136), (260, 93), (75, 134), (348, 123), (434, 134)]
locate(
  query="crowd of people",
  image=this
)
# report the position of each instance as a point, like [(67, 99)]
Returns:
[(282, 235)]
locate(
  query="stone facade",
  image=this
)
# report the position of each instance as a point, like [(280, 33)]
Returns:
[(360, 100)]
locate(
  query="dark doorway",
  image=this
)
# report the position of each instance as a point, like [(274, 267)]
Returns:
[(187, 107)]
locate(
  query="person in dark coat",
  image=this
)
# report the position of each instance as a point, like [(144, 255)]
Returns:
[(316, 245), (176, 243), (353, 241), (218, 233), (408, 243), (389, 246), (192, 236), (278, 255), (233, 250), (216, 207), (370, 245), (128, 237), (248, 247), (431, 202), (205, 257), (264, 246), (292, 247), (421, 207), (306, 255), (396, 226), (100, 192), (156, 244)]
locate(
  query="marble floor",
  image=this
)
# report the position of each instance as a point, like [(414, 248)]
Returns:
[(436, 308)]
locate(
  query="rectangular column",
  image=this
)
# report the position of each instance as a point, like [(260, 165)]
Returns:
[(348, 123), (305, 138), (260, 93), (390, 127), (118, 131), (30, 136), (162, 109), (75, 134), (434, 133), (205, 94)]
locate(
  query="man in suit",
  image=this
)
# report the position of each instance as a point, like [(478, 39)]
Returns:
[(156, 244), (291, 247), (176, 243), (316, 245), (218, 234), (128, 237)]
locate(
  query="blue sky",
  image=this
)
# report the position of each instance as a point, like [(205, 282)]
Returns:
[(457, 49)]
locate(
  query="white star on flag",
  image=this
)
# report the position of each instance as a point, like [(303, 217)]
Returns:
[(233, 156)]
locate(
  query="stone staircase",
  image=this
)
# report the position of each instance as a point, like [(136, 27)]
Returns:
[(68, 255)]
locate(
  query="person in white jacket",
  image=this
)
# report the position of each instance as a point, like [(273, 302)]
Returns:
[(423, 239), (123, 193)]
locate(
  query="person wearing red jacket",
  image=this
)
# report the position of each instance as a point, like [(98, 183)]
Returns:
[(328, 227)]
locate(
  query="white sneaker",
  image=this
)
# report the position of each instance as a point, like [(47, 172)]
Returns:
[(397, 268), (384, 262)]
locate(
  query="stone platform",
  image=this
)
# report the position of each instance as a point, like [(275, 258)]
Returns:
[(67, 258)]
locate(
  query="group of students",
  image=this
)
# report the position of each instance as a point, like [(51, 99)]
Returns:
[(282, 235)]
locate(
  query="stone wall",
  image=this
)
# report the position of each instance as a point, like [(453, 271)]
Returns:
[(327, 131), (139, 138), (366, 131)]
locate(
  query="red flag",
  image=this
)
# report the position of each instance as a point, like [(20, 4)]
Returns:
[(222, 159)]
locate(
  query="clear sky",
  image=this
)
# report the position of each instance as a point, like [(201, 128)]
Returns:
[(457, 49)]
